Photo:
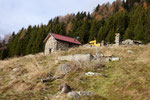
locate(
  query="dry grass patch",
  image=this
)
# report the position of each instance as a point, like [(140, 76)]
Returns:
[(127, 79)]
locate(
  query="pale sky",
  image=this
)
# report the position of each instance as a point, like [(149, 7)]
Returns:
[(15, 14)]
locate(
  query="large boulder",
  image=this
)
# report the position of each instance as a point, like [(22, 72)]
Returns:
[(67, 58), (131, 42), (78, 94), (50, 79), (83, 57), (98, 56), (73, 95), (65, 88), (76, 57), (64, 68), (128, 42), (115, 58)]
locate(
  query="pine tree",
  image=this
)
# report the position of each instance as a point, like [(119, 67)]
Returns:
[(84, 32), (148, 2), (94, 29), (97, 8), (146, 32), (139, 28), (3, 54), (110, 37), (124, 5)]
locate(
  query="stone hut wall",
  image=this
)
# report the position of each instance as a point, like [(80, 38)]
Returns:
[(62, 45), (50, 45)]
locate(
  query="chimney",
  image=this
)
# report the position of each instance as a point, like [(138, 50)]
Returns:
[(76, 38)]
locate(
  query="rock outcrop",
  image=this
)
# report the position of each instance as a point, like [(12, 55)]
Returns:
[(76, 95), (77, 57), (49, 79), (64, 68), (88, 57), (131, 42)]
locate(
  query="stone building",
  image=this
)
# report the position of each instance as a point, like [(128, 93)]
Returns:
[(55, 42)]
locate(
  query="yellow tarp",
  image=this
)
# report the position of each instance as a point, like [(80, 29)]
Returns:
[(97, 45), (94, 41)]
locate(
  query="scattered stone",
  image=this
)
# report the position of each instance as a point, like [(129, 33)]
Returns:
[(77, 57), (87, 46), (65, 88), (74, 95), (110, 45), (50, 79), (89, 57), (137, 42), (115, 58), (131, 42), (83, 57), (98, 56), (67, 58), (130, 51), (78, 94), (56, 61), (112, 58), (64, 68), (85, 93), (15, 70), (128, 42), (107, 59), (98, 66), (108, 55), (92, 74)]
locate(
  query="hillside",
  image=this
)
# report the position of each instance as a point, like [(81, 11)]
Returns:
[(127, 79), (130, 18)]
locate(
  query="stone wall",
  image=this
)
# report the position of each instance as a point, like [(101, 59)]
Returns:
[(62, 45), (50, 45), (77, 57)]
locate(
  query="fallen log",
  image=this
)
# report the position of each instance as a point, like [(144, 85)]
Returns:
[(50, 79)]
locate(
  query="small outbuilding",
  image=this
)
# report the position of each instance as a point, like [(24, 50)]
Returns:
[(55, 42)]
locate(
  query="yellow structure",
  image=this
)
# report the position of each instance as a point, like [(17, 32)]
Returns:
[(97, 45), (93, 43)]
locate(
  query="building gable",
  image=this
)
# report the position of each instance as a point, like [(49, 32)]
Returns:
[(62, 38)]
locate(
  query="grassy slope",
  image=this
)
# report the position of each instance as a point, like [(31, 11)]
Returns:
[(127, 79)]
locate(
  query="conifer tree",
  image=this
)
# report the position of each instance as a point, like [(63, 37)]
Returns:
[(94, 29), (97, 8), (84, 32), (148, 2)]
